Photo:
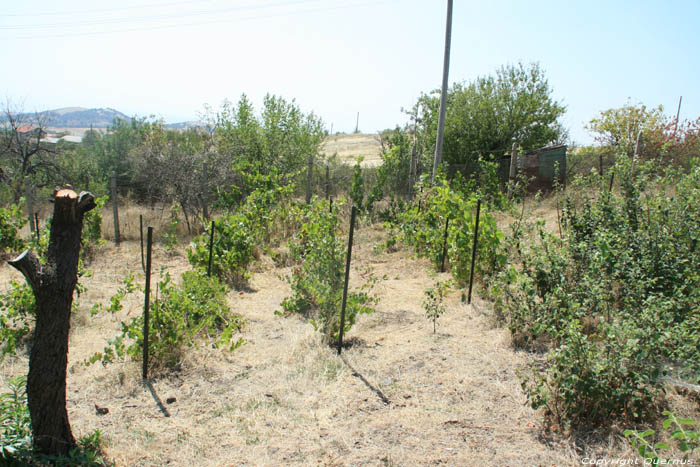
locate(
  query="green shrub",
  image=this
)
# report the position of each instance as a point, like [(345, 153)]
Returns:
[(433, 302), (317, 283), (615, 299), (681, 434), (170, 235), (16, 435), (423, 228), (239, 236), (590, 383), (11, 221), (181, 317), (15, 422), (92, 229), (16, 317)]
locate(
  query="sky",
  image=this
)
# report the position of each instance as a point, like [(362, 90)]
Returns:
[(338, 58)]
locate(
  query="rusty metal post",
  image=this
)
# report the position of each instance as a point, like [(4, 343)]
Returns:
[(444, 245), (476, 237), (146, 305), (347, 278)]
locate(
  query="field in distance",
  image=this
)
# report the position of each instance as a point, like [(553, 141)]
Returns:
[(351, 146)]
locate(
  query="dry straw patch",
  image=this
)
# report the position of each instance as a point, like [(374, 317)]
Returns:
[(349, 147)]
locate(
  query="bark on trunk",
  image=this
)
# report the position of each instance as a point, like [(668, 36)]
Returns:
[(53, 284)]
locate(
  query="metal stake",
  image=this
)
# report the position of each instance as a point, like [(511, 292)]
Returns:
[(476, 237), (149, 242), (347, 278)]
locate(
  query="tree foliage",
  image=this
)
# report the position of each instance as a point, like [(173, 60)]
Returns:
[(662, 137), (280, 139), (485, 116), (615, 297), (618, 128)]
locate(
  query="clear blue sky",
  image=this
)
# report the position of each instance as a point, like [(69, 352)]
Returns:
[(340, 57)]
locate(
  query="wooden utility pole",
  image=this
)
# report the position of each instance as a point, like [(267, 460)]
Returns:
[(53, 284), (443, 94), (636, 145)]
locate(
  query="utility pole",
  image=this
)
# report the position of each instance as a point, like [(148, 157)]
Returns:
[(357, 123), (678, 113), (443, 94)]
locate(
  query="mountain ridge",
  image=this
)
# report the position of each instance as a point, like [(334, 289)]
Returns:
[(82, 117)]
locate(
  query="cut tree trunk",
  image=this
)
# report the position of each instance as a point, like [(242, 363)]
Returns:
[(53, 284)]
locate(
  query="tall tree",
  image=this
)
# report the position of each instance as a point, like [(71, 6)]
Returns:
[(24, 153), (279, 141), (617, 129), (486, 115)]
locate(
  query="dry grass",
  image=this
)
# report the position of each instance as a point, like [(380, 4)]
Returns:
[(284, 398), (350, 147), (159, 217)]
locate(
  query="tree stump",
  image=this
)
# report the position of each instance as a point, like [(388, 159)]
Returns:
[(53, 284)]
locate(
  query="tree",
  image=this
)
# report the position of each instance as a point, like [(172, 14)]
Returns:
[(113, 150), (394, 175), (23, 151), (618, 129), (485, 116), (53, 284), (176, 160), (280, 140)]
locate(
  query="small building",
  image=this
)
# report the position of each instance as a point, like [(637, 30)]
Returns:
[(30, 131), (540, 166)]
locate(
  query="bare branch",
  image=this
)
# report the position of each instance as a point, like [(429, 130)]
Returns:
[(28, 264)]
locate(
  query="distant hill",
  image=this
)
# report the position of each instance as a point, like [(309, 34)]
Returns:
[(79, 117)]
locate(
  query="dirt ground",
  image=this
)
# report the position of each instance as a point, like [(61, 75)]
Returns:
[(399, 395)]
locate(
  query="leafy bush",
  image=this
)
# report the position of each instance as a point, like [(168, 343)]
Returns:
[(92, 229), (16, 435), (686, 440), (11, 221), (423, 228), (238, 236), (616, 298), (170, 235), (16, 317), (15, 421), (318, 282), (180, 318)]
